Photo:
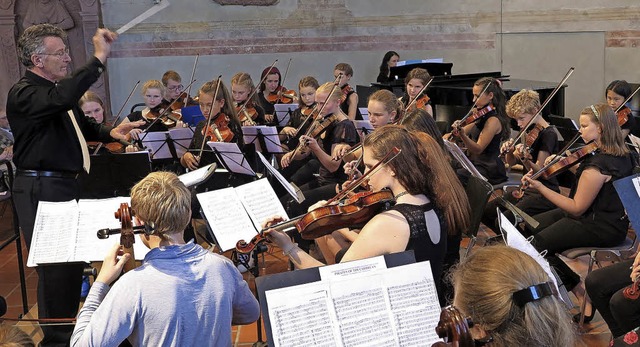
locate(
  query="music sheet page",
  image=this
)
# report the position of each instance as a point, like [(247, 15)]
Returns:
[(293, 191), (387, 307), (54, 232), (227, 217), (260, 201)]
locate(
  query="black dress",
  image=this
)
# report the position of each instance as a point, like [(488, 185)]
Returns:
[(488, 162), (344, 105)]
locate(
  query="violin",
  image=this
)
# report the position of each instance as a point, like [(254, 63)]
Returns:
[(533, 134), (219, 131), (358, 209), (169, 119), (115, 147), (559, 165), (346, 91), (623, 115), (308, 110), (475, 115), (246, 113), (183, 100), (282, 95), (422, 102)]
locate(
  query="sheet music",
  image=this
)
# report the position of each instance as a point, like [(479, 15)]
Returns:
[(389, 307), (260, 201), (295, 192), (363, 127), (352, 268), (283, 113), (227, 217), (271, 138), (182, 139), (229, 153), (517, 241), (197, 176), (636, 184), (54, 230)]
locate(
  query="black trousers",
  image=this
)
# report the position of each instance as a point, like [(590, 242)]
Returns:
[(557, 232), (605, 287), (532, 203), (59, 284)]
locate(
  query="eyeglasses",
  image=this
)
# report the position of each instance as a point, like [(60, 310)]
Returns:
[(178, 87), (59, 54)]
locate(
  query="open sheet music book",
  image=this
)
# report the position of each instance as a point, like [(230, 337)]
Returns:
[(253, 133), (359, 305), (291, 188), (235, 214), (67, 231), (283, 113), (231, 157)]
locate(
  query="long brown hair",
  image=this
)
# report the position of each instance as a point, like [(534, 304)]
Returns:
[(611, 140), (423, 168), (498, 102), (223, 93)]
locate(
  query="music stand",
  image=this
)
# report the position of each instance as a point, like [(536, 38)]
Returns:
[(231, 158), (113, 175), (363, 127), (283, 113), (192, 115), (181, 139), (266, 139)]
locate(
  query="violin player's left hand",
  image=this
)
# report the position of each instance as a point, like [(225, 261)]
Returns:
[(269, 118), (121, 131), (281, 239), (311, 143), (527, 181), (112, 266)]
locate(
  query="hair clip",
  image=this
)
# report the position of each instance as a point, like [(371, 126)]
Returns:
[(595, 112), (149, 228), (534, 293)]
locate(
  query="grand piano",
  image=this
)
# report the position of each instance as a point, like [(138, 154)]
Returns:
[(451, 95)]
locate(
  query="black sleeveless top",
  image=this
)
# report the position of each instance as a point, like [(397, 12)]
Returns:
[(425, 225)]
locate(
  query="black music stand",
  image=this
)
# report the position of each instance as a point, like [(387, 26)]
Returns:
[(16, 235), (113, 175), (292, 278)]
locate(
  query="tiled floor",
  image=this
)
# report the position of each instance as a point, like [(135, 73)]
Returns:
[(273, 262)]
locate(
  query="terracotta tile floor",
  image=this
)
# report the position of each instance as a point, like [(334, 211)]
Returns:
[(597, 333)]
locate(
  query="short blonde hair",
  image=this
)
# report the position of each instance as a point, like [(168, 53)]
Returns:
[(524, 101), (162, 200), (90, 96), (153, 84), (327, 87)]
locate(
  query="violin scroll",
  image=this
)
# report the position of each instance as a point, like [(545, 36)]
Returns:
[(127, 239), (454, 328)]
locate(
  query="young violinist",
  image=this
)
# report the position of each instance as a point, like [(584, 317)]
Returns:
[(349, 98), (616, 93), (241, 89), (93, 107), (592, 215), (491, 126), (414, 82), (152, 93), (430, 203), (223, 119), (389, 60), (301, 171), (307, 89), (172, 82), (182, 295), (268, 89), (338, 130), (538, 142)]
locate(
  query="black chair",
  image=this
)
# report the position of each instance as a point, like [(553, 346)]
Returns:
[(134, 107)]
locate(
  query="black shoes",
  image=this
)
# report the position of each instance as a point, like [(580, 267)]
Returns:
[(587, 318)]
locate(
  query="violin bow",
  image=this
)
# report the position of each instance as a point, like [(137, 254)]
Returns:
[(143, 16), (204, 138), (286, 72), (115, 122), (416, 98), (193, 74), (627, 99), (255, 89), (355, 184), (544, 104), (311, 127)]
